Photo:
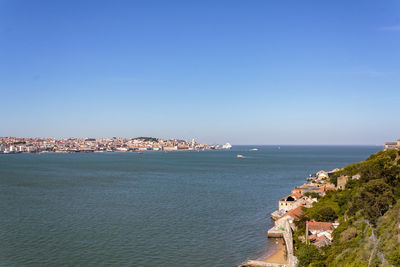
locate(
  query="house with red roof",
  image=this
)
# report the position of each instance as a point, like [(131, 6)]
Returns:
[(319, 233), (289, 202), (290, 216)]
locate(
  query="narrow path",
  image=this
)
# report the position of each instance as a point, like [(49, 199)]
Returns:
[(375, 250)]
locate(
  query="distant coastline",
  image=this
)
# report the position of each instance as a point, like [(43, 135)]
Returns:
[(13, 145)]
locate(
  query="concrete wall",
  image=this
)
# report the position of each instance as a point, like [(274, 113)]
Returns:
[(288, 236)]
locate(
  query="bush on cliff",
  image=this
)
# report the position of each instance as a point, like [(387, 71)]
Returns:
[(348, 234), (325, 210), (326, 214), (374, 199), (394, 258), (382, 165), (388, 231), (307, 254)]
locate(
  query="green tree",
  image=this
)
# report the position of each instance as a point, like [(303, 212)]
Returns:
[(307, 254), (326, 214), (301, 220), (375, 199)]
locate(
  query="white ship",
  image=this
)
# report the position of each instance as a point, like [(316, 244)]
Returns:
[(227, 146), (254, 149)]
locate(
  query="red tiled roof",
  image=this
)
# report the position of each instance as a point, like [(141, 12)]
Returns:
[(296, 190), (328, 187), (297, 195), (294, 213), (319, 226), (325, 188), (320, 238), (312, 238), (321, 241)]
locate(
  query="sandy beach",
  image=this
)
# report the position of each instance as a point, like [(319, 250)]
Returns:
[(277, 254)]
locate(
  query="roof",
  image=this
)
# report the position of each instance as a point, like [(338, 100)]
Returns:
[(322, 241), (319, 226), (294, 213), (312, 237), (308, 186), (297, 195), (329, 187), (391, 143)]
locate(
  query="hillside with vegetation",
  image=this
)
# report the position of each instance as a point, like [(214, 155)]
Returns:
[(368, 212)]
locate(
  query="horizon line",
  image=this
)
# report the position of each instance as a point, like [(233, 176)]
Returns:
[(307, 145)]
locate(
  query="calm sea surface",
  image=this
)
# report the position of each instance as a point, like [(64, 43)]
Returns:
[(204, 208)]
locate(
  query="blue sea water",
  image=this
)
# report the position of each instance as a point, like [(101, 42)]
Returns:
[(190, 208)]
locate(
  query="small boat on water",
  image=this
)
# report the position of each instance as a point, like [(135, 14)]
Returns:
[(254, 149), (239, 156)]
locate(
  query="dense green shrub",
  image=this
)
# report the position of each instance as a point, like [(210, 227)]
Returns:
[(348, 234), (301, 220), (374, 199), (325, 210), (307, 254), (326, 214), (394, 258)]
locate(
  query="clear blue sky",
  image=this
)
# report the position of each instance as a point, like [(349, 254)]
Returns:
[(248, 72)]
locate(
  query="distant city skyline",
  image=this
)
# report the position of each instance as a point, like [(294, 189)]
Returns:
[(244, 72)]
